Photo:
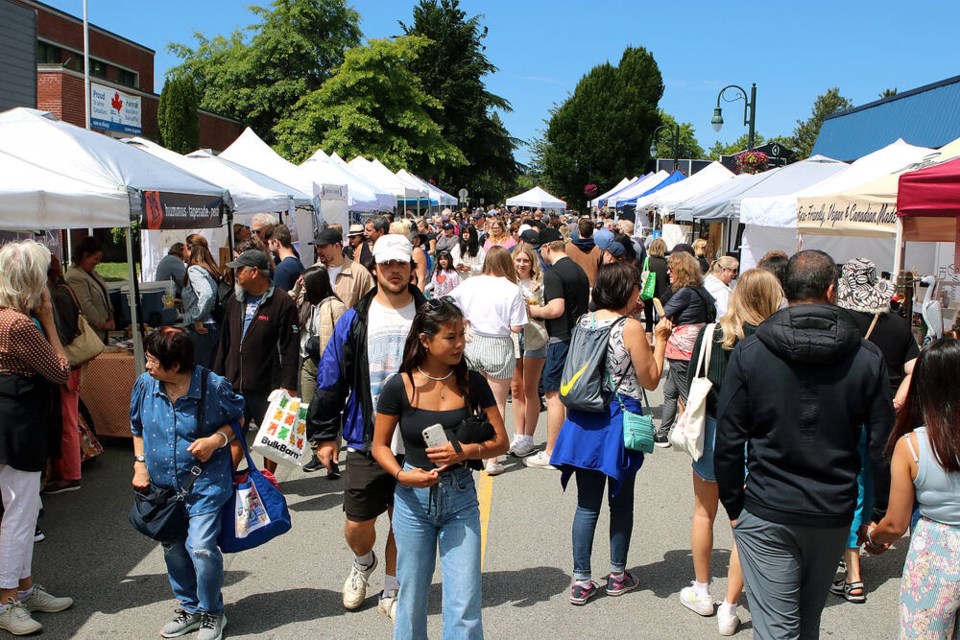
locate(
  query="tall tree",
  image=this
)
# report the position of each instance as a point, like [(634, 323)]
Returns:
[(374, 105), (177, 115), (806, 132), (256, 75), (593, 136), (688, 146), (888, 93), (453, 66)]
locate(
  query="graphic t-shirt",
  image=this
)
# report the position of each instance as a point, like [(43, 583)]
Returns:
[(250, 306), (387, 331)]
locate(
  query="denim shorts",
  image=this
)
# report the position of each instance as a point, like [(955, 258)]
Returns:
[(704, 466), (553, 368), (536, 353)]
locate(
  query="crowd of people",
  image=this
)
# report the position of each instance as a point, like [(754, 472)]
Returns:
[(407, 337)]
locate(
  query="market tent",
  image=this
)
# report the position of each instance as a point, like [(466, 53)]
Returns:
[(536, 198), (765, 203), (248, 196), (673, 178), (250, 151), (361, 195), (376, 173), (611, 199), (606, 194), (436, 193), (715, 203), (638, 188), (928, 203), (666, 200), (299, 198)]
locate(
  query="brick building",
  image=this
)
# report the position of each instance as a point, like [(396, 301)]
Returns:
[(121, 75)]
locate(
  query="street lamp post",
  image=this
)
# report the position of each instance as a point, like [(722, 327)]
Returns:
[(749, 106), (676, 144)]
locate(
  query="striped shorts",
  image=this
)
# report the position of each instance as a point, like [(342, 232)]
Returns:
[(492, 355)]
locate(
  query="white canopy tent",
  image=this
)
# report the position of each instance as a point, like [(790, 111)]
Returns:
[(604, 200), (250, 151), (378, 174), (606, 194), (299, 198), (667, 199), (361, 196), (718, 197), (637, 188), (536, 198), (442, 197)]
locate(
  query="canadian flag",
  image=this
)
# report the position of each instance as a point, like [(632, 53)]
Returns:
[(116, 103)]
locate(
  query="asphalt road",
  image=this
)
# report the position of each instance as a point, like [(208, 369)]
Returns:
[(290, 588)]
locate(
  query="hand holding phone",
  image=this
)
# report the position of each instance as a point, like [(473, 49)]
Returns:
[(435, 436)]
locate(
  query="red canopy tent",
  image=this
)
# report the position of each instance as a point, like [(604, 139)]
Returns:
[(928, 205)]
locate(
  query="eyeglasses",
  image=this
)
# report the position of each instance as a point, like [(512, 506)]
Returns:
[(435, 303)]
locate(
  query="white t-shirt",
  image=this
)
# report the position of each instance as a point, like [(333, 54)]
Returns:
[(719, 291), (387, 331), (491, 304), (333, 272)]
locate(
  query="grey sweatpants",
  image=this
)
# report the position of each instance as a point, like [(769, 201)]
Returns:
[(788, 570)]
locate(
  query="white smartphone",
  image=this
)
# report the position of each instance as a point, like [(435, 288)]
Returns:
[(434, 436)]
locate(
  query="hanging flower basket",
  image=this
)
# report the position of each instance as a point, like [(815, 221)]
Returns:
[(751, 162), (591, 190)]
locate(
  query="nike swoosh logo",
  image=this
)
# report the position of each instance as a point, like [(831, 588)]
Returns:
[(566, 387)]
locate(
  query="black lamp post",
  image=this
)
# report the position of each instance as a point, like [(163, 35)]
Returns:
[(748, 105), (676, 144)]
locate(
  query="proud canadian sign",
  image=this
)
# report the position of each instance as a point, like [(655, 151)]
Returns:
[(114, 110)]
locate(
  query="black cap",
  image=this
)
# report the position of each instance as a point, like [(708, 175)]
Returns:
[(549, 234), (250, 258), (447, 226), (327, 236), (683, 246), (531, 237)]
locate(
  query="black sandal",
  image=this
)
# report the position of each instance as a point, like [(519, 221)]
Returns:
[(846, 589)]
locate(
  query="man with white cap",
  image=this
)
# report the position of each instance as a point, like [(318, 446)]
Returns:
[(365, 350)]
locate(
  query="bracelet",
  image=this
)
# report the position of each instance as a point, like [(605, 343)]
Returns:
[(870, 537), (226, 440), (399, 471), (479, 451)]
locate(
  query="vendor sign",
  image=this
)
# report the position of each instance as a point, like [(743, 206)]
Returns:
[(857, 218), (114, 110), (162, 210)]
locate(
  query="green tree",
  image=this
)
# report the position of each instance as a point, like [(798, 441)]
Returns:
[(452, 67), (720, 148), (256, 75), (688, 146), (593, 136), (373, 106), (177, 115), (806, 132), (888, 93)]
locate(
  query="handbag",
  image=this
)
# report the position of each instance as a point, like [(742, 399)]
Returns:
[(687, 434), (282, 436), (256, 512), (648, 280), (471, 430), (90, 447), (161, 513), (86, 344), (638, 429)]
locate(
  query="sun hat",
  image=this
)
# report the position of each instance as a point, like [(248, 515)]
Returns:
[(859, 288), (355, 230)]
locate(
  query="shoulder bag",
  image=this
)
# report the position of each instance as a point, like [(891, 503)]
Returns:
[(687, 434), (638, 428), (87, 345), (648, 281)]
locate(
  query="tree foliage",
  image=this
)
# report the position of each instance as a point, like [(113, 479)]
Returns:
[(806, 132), (452, 67), (888, 93), (688, 146), (177, 115), (374, 106), (593, 137), (256, 75)]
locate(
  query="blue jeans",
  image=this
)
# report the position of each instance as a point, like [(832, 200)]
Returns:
[(195, 566), (590, 486), (448, 514)]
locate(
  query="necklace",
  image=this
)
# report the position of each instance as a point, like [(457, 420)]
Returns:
[(443, 387)]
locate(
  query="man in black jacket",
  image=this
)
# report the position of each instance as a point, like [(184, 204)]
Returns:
[(798, 393), (259, 341)]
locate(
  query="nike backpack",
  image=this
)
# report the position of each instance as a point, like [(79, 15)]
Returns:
[(584, 383)]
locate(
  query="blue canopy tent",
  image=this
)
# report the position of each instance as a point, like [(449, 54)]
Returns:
[(674, 177)]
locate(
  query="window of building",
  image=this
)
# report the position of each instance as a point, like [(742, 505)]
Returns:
[(128, 78), (98, 68), (48, 53)]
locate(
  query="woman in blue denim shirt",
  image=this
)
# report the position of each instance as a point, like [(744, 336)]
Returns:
[(167, 444), (436, 499)]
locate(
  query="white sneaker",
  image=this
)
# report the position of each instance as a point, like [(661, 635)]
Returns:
[(17, 620), (703, 605), (521, 448), (494, 468), (355, 588), (727, 623), (42, 600), (539, 460), (388, 604)]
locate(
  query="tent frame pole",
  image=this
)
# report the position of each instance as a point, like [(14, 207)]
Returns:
[(133, 298)]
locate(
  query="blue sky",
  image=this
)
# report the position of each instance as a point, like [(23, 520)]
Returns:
[(792, 51)]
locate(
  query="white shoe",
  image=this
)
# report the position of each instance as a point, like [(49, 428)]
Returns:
[(355, 588), (17, 620), (539, 460), (727, 624), (42, 600), (702, 605), (388, 604), (521, 448), (494, 468)]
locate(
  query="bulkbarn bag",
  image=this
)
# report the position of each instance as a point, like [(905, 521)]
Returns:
[(584, 384)]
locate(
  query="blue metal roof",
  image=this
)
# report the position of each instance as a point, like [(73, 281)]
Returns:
[(927, 116)]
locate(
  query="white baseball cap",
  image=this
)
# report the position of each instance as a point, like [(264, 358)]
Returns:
[(392, 246)]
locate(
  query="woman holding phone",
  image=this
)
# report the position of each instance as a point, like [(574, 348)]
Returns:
[(436, 499)]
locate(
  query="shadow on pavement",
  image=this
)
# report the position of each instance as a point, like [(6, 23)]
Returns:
[(523, 588), (259, 613)]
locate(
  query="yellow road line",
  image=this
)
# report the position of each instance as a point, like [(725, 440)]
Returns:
[(485, 496)]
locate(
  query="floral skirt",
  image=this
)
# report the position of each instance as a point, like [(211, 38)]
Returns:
[(930, 587)]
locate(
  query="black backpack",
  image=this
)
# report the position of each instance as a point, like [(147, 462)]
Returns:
[(709, 304), (223, 292), (584, 383)]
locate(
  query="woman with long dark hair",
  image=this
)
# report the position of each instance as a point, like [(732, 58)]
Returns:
[(200, 287), (468, 255), (926, 469), (436, 500)]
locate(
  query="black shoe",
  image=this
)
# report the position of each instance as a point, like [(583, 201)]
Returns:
[(313, 465), (334, 472), (661, 440)]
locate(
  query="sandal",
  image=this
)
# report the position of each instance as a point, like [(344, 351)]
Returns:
[(846, 590)]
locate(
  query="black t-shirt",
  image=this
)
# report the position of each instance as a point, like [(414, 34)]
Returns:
[(393, 401), (568, 281), (892, 334)]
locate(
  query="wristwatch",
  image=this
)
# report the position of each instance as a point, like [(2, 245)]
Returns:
[(139, 459)]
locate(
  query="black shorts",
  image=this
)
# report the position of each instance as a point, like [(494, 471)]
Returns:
[(367, 488), (254, 408), (553, 367)]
